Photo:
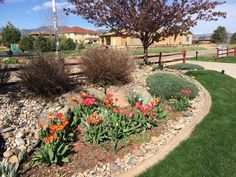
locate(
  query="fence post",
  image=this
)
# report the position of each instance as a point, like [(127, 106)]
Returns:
[(235, 51), (184, 56), (227, 51), (217, 54), (160, 56), (196, 55)]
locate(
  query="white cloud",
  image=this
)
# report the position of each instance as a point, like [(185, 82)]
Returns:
[(36, 8), (48, 4)]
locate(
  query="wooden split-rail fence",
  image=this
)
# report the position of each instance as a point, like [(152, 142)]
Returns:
[(224, 52)]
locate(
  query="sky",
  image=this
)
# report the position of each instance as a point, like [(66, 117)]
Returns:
[(28, 14)]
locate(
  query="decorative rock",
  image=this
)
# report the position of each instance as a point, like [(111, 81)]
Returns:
[(137, 152), (13, 159), (155, 138), (96, 93), (19, 134), (19, 141), (187, 114), (16, 151), (7, 135), (36, 136), (130, 160), (177, 127), (8, 129), (115, 166), (80, 175), (7, 154)]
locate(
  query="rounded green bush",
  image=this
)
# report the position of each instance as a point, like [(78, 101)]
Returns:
[(186, 66), (168, 85)]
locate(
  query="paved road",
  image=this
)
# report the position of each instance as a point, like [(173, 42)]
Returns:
[(201, 53), (230, 68)]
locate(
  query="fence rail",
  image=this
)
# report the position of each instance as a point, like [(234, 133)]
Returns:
[(221, 53), (163, 58), (15, 55)]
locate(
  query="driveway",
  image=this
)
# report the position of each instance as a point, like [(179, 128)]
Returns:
[(230, 68)]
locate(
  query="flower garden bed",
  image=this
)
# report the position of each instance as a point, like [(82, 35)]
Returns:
[(100, 138)]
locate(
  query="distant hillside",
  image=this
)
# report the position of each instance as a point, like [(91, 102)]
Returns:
[(40, 29)]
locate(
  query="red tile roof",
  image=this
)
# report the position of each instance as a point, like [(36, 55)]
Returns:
[(77, 30)]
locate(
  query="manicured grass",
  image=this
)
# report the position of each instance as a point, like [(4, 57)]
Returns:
[(70, 52), (164, 50), (211, 149), (230, 59)]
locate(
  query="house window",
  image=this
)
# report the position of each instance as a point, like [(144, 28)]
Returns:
[(187, 38)]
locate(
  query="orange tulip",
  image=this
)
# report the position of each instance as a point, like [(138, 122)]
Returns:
[(60, 127), (64, 121), (100, 118), (88, 120), (94, 115)]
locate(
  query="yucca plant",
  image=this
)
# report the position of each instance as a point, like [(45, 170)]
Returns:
[(7, 169)]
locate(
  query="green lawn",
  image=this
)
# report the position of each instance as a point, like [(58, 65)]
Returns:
[(164, 50), (230, 59), (70, 52), (211, 149)]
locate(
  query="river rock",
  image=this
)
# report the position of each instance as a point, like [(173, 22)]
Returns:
[(13, 159), (8, 129), (7, 154), (19, 134), (19, 142)]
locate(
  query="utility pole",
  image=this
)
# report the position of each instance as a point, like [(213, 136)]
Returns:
[(55, 28)]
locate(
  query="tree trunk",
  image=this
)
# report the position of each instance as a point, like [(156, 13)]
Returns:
[(145, 50)]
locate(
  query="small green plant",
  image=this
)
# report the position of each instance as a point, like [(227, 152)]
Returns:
[(167, 86), (134, 97), (51, 153), (7, 169), (186, 66), (181, 102), (8, 61)]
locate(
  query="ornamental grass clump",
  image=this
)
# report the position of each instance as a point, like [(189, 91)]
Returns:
[(106, 67), (44, 76)]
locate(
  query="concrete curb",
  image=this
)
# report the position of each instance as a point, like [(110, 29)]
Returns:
[(173, 143)]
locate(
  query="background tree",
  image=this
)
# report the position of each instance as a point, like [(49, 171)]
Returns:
[(10, 35), (67, 44), (42, 44), (233, 39), (1, 1), (27, 43), (219, 35), (149, 20)]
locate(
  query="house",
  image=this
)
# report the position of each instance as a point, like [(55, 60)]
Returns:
[(202, 40), (43, 33), (115, 40), (79, 34)]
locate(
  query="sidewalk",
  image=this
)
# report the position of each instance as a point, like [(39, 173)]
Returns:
[(230, 68)]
